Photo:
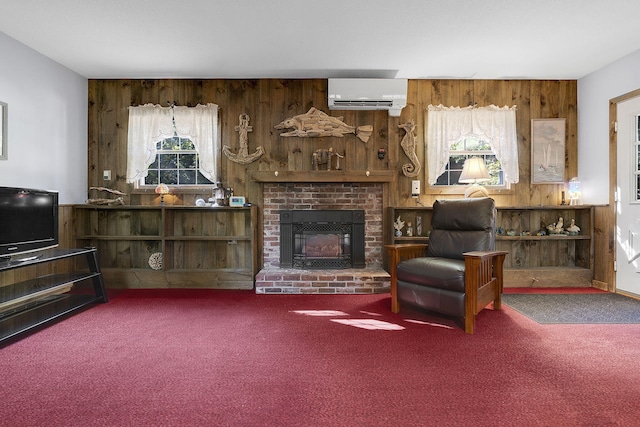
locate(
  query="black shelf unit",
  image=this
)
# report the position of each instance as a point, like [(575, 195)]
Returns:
[(29, 304)]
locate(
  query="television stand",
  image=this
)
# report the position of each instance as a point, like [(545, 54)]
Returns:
[(28, 305), (28, 258)]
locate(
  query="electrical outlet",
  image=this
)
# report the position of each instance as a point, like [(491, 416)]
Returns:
[(415, 188), (106, 175)]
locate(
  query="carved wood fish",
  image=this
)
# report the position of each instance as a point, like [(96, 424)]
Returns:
[(314, 124)]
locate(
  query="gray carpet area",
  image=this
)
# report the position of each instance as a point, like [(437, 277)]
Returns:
[(575, 308)]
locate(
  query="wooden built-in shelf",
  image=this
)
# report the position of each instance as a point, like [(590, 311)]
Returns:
[(540, 261), (200, 246), (322, 176)]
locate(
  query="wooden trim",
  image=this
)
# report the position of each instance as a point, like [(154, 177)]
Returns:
[(322, 176), (608, 220)]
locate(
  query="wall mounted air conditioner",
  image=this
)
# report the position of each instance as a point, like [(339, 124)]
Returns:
[(368, 94)]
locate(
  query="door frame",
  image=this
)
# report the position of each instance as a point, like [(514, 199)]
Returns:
[(608, 220)]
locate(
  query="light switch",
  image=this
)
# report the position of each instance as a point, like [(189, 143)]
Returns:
[(106, 175)]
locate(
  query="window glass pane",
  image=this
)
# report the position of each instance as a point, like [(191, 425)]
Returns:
[(187, 161), (457, 162), (168, 161), (169, 177), (170, 143), (187, 145), (152, 178), (443, 179), (201, 178), (472, 144), (187, 177), (458, 146)]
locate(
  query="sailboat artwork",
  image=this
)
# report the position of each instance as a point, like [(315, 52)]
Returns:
[(547, 151)]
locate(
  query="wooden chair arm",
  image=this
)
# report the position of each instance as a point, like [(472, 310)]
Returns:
[(483, 283), (399, 252)]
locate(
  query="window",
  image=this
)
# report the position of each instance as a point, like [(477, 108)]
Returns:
[(456, 133), (464, 149), (176, 164), (175, 145)]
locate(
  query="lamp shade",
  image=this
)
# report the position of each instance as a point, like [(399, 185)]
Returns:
[(162, 189), (474, 171)]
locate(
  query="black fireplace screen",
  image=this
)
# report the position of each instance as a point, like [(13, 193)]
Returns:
[(322, 239)]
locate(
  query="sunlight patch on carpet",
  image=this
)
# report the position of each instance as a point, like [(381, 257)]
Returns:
[(370, 313), (421, 322), (370, 324), (321, 313)]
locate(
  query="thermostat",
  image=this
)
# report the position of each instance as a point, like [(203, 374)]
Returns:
[(236, 201)]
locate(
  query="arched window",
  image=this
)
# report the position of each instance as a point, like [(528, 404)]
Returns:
[(454, 133), (177, 143)]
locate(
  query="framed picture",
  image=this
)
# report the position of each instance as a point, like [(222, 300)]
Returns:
[(548, 139), (3, 130)]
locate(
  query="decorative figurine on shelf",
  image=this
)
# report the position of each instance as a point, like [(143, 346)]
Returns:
[(560, 226), (116, 201), (419, 226), (398, 225), (322, 157), (409, 229), (573, 229)]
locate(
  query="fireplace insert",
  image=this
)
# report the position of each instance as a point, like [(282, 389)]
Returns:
[(322, 239)]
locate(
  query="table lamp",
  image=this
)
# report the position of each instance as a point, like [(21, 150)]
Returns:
[(574, 191), (162, 189), (473, 172)]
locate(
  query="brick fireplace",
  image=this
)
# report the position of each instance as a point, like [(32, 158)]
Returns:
[(275, 278)]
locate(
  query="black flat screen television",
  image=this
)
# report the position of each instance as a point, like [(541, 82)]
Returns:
[(28, 220)]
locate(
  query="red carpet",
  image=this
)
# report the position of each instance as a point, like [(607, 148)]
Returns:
[(234, 358)]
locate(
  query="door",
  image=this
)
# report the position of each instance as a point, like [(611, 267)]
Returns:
[(628, 204)]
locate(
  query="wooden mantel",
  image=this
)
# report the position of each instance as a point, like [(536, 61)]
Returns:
[(322, 176)]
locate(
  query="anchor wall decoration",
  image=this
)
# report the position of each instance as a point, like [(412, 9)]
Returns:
[(408, 144), (243, 157)]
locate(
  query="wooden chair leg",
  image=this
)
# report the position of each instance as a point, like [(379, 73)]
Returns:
[(470, 324)]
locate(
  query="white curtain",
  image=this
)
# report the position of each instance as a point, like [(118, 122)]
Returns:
[(150, 123), (448, 125)]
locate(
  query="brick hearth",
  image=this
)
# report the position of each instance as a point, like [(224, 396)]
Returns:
[(372, 279)]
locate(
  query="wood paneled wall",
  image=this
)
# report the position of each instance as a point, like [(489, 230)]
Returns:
[(269, 101)]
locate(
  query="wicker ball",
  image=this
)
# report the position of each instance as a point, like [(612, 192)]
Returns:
[(155, 261)]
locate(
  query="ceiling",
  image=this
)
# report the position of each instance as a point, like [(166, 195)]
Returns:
[(468, 39)]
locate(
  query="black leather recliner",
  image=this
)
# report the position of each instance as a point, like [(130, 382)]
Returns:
[(460, 272)]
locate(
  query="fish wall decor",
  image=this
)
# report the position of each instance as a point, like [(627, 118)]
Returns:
[(315, 123)]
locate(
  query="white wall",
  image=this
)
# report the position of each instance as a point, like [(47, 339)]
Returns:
[(594, 92), (47, 139)]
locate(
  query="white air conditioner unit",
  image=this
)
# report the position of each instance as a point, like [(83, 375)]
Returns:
[(368, 94)]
